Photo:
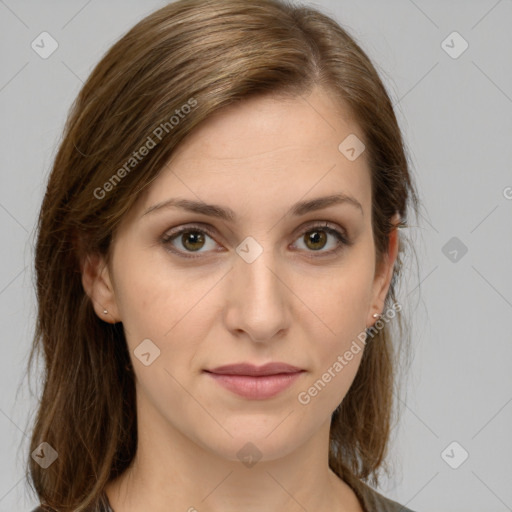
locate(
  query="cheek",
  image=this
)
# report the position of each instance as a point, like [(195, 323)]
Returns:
[(165, 305), (342, 303), (147, 299), (338, 334)]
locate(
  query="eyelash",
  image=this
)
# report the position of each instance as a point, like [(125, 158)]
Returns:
[(325, 226)]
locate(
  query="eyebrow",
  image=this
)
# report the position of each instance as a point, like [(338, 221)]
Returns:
[(227, 214)]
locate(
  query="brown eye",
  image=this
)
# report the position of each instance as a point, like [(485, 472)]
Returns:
[(315, 239), (192, 240), (189, 240)]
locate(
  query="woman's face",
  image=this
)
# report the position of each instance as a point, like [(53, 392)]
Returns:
[(271, 284)]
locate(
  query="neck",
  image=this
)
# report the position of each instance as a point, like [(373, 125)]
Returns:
[(170, 472)]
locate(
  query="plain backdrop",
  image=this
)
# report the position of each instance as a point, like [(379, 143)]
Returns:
[(452, 449)]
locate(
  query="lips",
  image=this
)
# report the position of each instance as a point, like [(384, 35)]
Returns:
[(251, 370), (255, 382)]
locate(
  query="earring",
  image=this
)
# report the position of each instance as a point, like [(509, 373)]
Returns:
[(105, 311), (376, 315)]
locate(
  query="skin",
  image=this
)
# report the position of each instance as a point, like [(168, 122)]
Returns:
[(291, 304)]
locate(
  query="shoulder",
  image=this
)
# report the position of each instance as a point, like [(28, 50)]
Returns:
[(375, 502)]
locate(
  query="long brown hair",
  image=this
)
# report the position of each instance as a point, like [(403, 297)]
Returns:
[(203, 55)]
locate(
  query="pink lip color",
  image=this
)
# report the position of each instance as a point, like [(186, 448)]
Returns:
[(256, 387)]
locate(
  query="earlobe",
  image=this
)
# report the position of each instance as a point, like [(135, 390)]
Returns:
[(97, 285)]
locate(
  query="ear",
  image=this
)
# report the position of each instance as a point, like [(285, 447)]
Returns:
[(384, 274), (97, 283)]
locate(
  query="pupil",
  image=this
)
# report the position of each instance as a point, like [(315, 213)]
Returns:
[(196, 238), (316, 237)]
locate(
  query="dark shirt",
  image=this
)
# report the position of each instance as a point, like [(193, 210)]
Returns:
[(371, 500)]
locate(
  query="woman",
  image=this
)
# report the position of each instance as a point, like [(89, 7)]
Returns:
[(216, 262)]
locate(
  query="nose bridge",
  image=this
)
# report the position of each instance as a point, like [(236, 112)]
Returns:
[(256, 267), (259, 294)]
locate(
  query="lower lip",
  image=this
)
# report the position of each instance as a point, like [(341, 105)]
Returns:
[(256, 388)]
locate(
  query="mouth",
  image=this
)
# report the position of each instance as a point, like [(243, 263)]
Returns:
[(256, 382)]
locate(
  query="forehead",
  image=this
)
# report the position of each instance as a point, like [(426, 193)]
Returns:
[(266, 150)]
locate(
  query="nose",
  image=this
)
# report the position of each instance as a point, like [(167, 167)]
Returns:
[(258, 298)]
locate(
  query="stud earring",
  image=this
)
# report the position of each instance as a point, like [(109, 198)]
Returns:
[(105, 311), (376, 315)]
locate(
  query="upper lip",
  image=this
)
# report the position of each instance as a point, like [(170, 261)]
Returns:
[(250, 369)]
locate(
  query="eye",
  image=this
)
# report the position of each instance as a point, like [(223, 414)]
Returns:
[(316, 237), (193, 238)]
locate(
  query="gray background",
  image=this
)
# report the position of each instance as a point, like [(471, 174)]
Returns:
[(456, 115)]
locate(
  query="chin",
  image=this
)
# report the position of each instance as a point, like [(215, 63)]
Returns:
[(250, 445)]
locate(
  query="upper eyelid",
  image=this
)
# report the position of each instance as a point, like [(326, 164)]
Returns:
[(311, 224)]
